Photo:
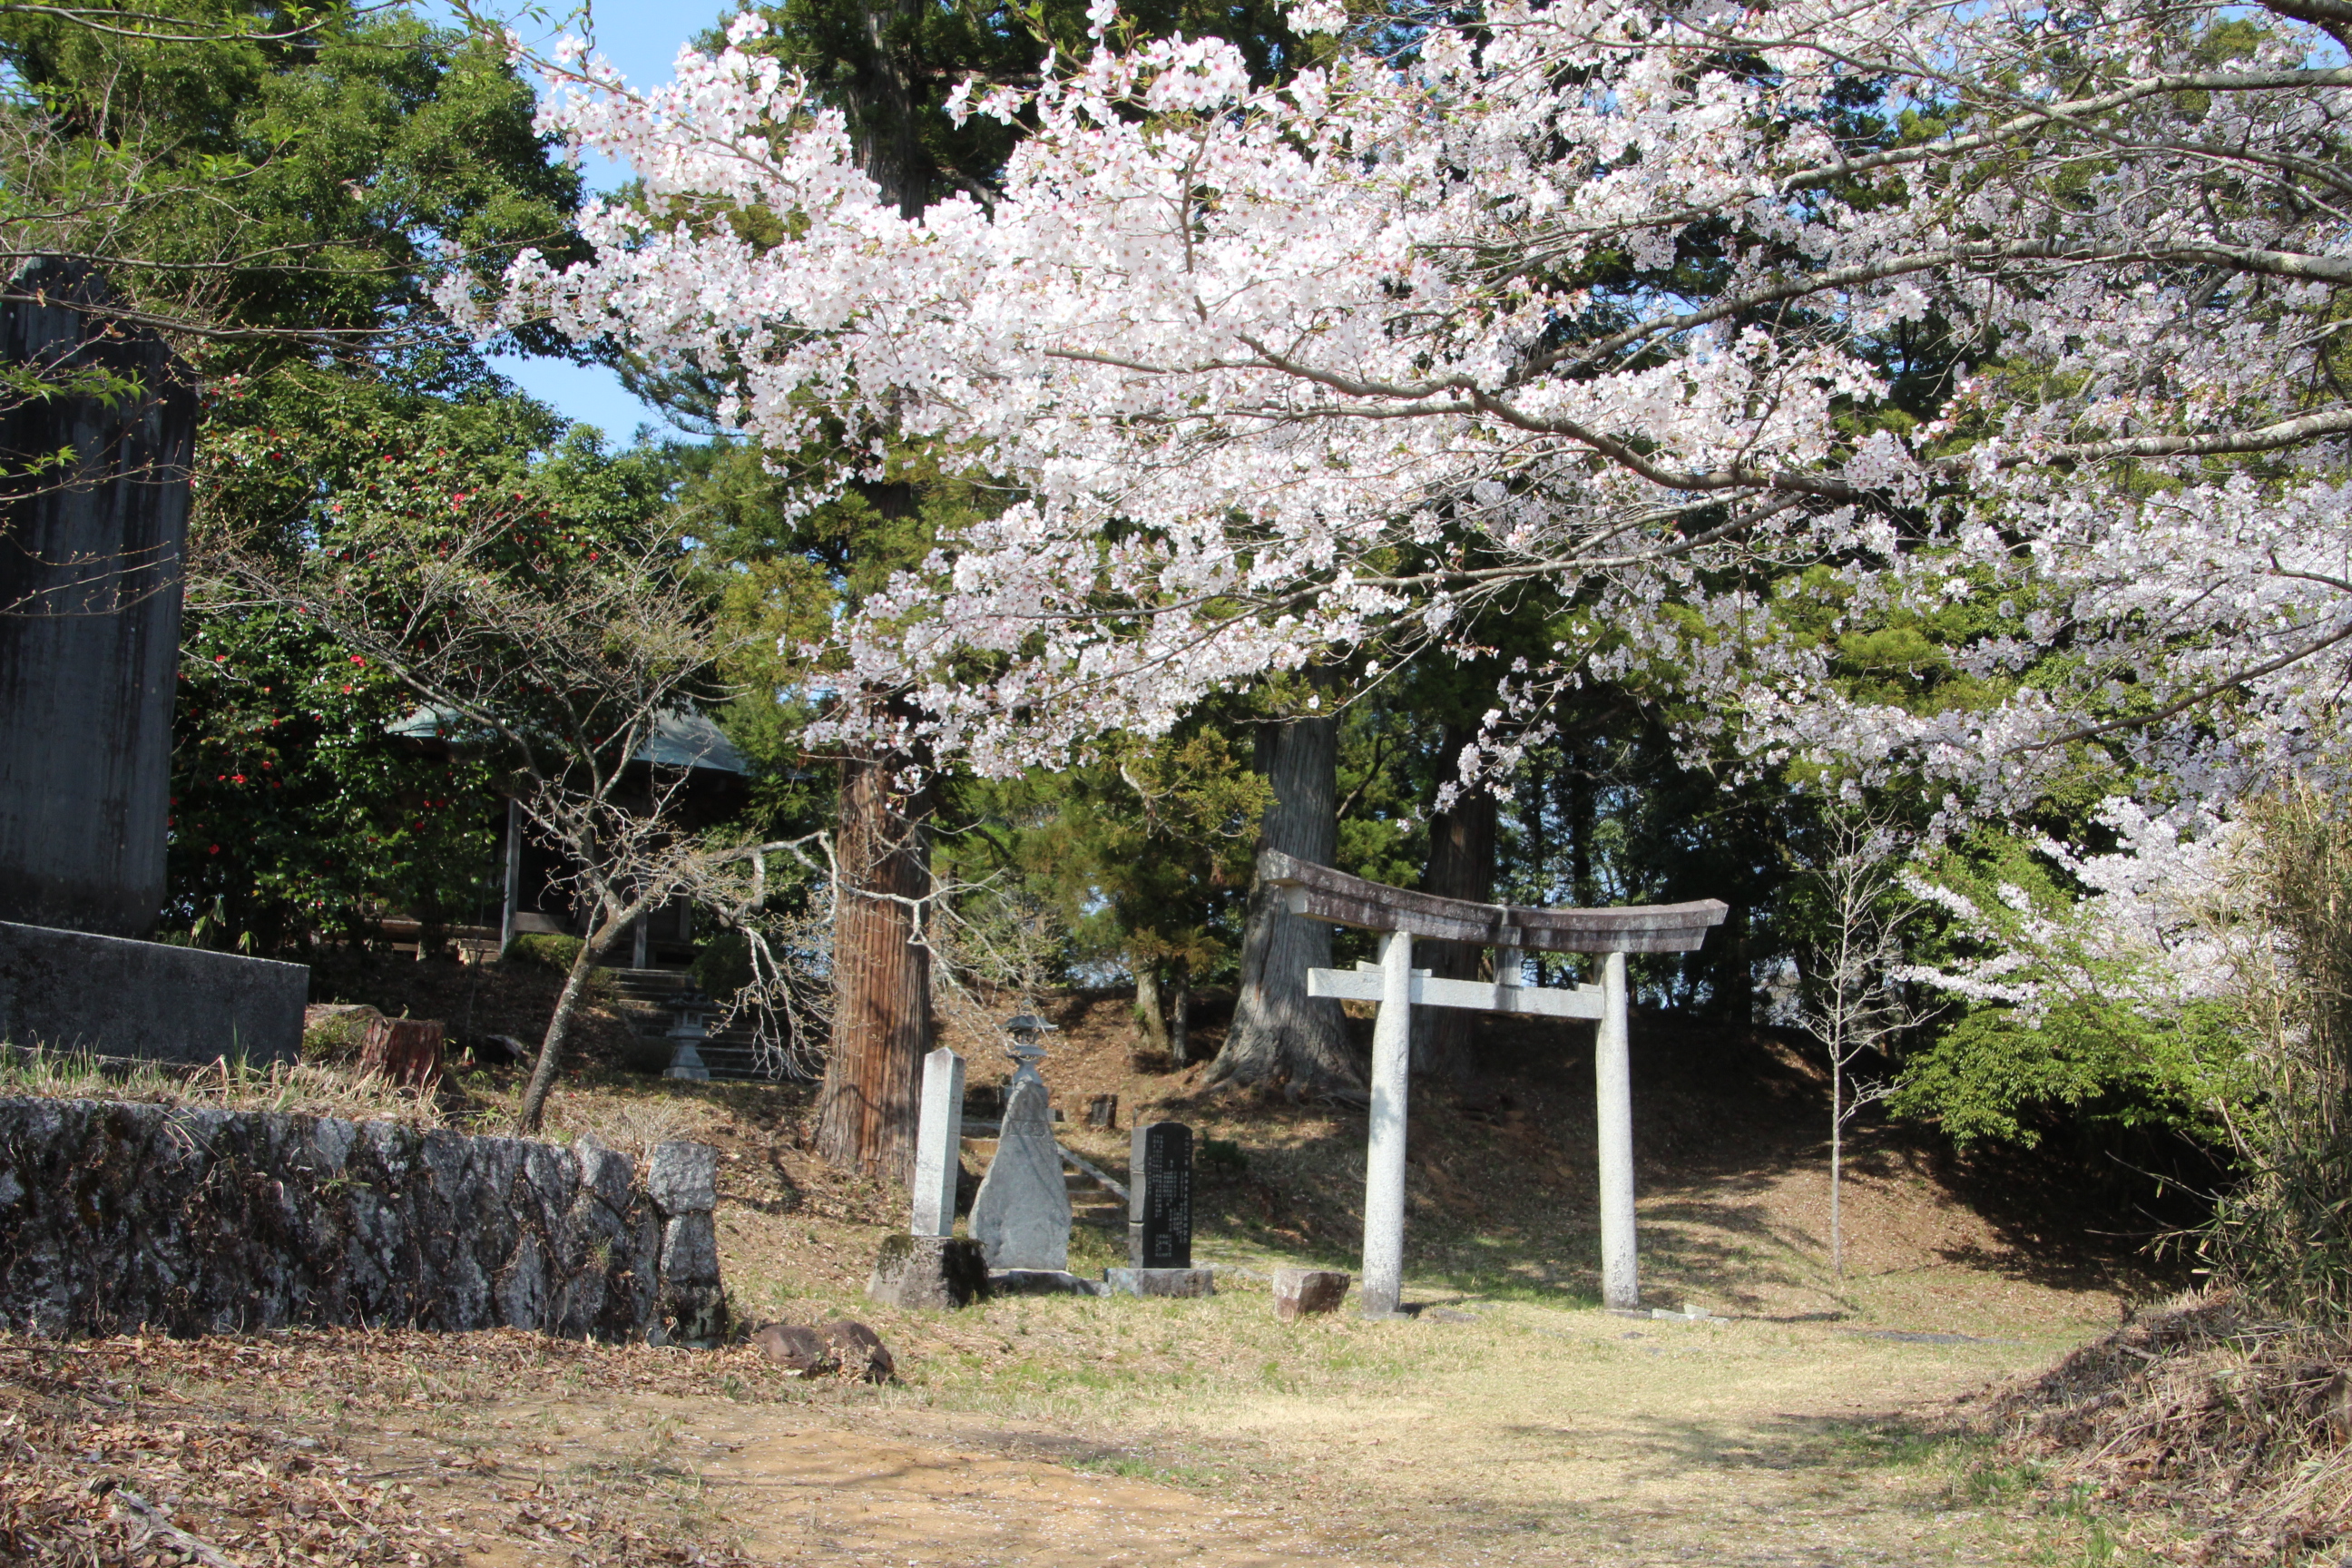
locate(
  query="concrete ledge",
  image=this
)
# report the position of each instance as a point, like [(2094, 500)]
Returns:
[(70, 991), (1160, 1281)]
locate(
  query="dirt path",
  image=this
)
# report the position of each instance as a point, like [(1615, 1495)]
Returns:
[(1502, 1434)]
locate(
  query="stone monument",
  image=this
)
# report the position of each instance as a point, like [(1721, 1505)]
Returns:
[(931, 1266), (90, 574), (1159, 1216), (938, 1143), (1021, 1216)]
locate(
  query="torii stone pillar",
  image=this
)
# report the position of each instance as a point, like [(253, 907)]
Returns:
[(1317, 892)]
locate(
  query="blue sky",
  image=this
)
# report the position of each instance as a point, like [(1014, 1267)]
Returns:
[(641, 37)]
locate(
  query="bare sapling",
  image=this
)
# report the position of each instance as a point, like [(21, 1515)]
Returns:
[(1856, 1005), (568, 661)]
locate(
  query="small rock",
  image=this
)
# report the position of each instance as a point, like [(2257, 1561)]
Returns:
[(1305, 1292), (1160, 1281), (857, 1347), (844, 1345), (798, 1348)]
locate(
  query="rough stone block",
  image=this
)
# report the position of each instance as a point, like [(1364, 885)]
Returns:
[(689, 1254), (1043, 1282), (1022, 1215), (1306, 1292), (683, 1178), (1160, 1281), (944, 1271), (112, 996)]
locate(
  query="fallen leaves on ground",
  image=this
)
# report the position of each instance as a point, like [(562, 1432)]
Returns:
[(241, 1450)]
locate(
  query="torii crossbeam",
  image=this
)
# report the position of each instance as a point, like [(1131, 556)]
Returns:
[(1319, 893)]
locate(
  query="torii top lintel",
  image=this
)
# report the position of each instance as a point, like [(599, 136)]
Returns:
[(1319, 893)]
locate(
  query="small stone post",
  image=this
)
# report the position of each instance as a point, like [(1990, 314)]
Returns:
[(1614, 1094), (938, 1143), (1384, 1147)]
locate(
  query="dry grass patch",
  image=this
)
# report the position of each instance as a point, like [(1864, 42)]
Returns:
[(2229, 1434), (298, 1088)]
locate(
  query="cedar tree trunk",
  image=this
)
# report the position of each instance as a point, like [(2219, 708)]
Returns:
[(1148, 1014), (881, 975), (1278, 1030)]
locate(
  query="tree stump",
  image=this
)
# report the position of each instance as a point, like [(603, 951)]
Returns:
[(404, 1050)]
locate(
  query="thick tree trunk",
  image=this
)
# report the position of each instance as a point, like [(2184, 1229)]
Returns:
[(883, 127), (1461, 865), (881, 975), (1278, 1029), (1148, 1015)]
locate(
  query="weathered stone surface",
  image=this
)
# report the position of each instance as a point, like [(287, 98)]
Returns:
[(90, 572), (113, 1215), (683, 1178), (796, 1347), (1043, 1282), (72, 991), (863, 1354), (1160, 1281), (1021, 1216), (945, 1271), (1304, 1292), (939, 1144)]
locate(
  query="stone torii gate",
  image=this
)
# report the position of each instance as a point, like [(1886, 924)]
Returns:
[(1319, 893)]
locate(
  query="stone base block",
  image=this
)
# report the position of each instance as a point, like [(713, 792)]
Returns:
[(1306, 1292), (947, 1271), (1160, 1281), (67, 990), (1043, 1282)]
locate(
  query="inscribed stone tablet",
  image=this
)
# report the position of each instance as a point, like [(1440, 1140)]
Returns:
[(1159, 1196)]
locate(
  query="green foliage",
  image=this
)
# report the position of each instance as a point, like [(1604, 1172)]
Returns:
[(294, 809), (296, 172), (543, 950), (2002, 1075), (298, 808), (2101, 1046), (1222, 1157), (2285, 1232), (1143, 856), (722, 967)]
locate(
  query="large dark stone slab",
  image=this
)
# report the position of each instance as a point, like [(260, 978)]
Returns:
[(1159, 1196), (115, 997), (89, 611)]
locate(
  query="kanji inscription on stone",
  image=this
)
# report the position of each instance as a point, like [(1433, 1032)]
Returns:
[(1159, 1196)]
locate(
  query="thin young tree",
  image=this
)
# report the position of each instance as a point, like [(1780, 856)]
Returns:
[(1853, 1002)]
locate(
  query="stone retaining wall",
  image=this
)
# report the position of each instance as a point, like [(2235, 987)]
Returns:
[(115, 1214)]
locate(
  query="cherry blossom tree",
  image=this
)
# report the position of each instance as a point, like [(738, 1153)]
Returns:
[(1614, 297)]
